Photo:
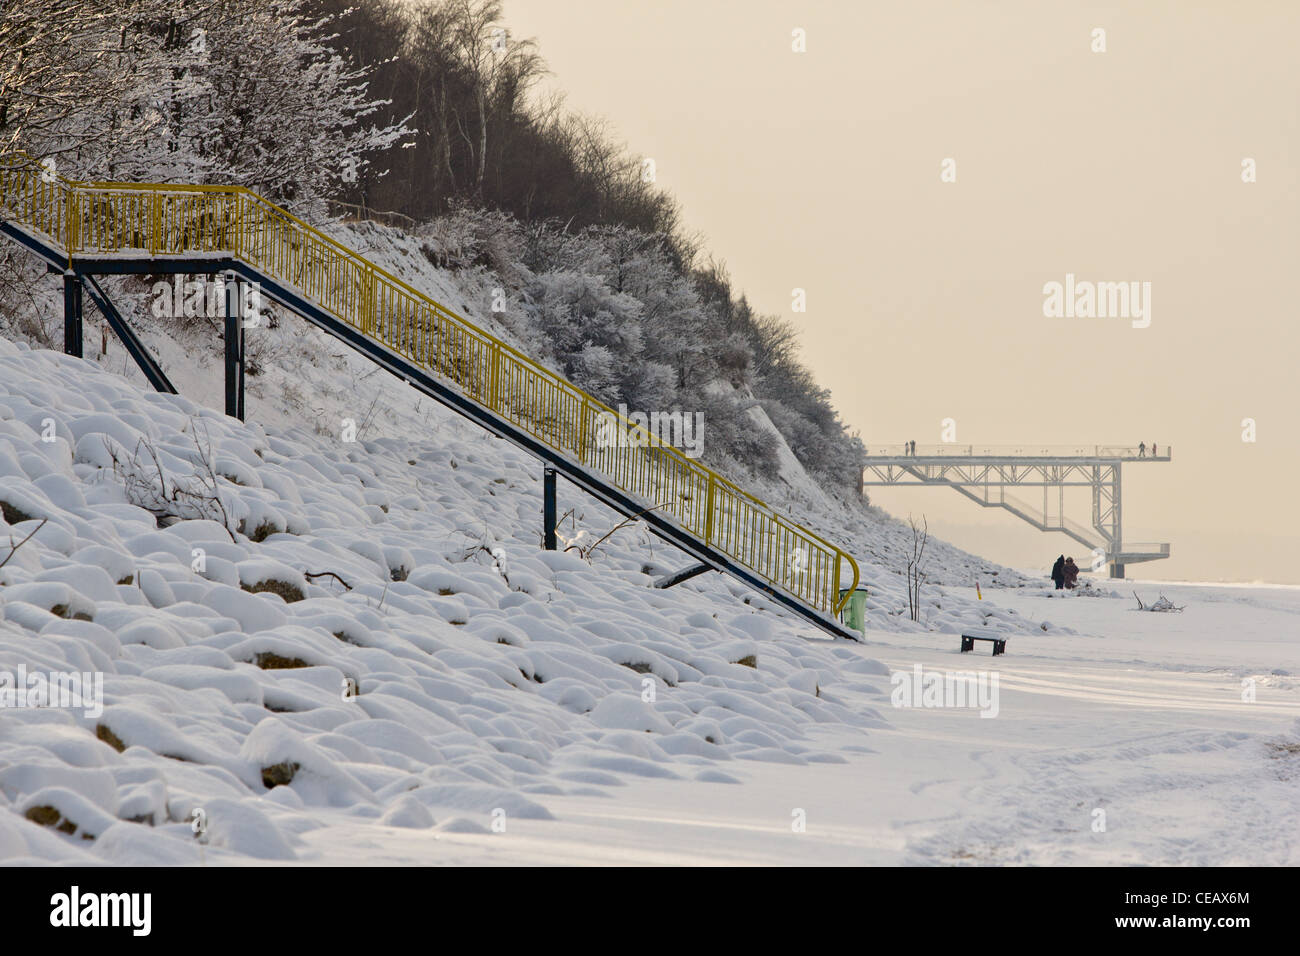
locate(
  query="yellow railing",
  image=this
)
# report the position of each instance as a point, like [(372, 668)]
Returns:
[(174, 220)]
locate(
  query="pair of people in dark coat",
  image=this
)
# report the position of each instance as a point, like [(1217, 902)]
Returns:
[(1065, 573)]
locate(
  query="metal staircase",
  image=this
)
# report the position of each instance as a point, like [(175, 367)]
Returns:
[(84, 230)]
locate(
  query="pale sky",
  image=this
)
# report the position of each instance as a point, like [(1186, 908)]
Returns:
[(821, 171)]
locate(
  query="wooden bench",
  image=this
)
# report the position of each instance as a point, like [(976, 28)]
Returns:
[(968, 639)]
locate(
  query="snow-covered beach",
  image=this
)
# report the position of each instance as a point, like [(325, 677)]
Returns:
[(1141, 717)]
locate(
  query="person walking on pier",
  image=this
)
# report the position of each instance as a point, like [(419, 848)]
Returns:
[(1142, 449)]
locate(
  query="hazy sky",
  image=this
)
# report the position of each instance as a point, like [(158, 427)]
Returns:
[(821, 171)]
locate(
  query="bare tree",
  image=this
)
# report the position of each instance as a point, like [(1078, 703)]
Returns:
[(429, 55), (915, 566), (500, 69)]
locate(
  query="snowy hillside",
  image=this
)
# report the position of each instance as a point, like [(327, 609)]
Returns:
[(437, 663), (873, 535), (347, 595), (378, 628)]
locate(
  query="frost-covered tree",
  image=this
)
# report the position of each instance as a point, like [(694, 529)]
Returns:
[(677, 331), (596, 334), (254, 94), (243, 91), (67, 70)]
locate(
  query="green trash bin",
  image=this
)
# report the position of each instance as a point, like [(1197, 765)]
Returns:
[(854, 612)]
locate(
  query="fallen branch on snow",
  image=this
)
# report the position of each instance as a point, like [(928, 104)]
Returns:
[(1162, 604), (327, 574), (13, 548)]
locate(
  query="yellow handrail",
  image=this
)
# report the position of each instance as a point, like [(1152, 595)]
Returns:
[(107, 218)]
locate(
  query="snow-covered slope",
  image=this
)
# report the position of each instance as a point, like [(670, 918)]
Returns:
[(347, 607), (869, 534), (381, 630), (459, 672)]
